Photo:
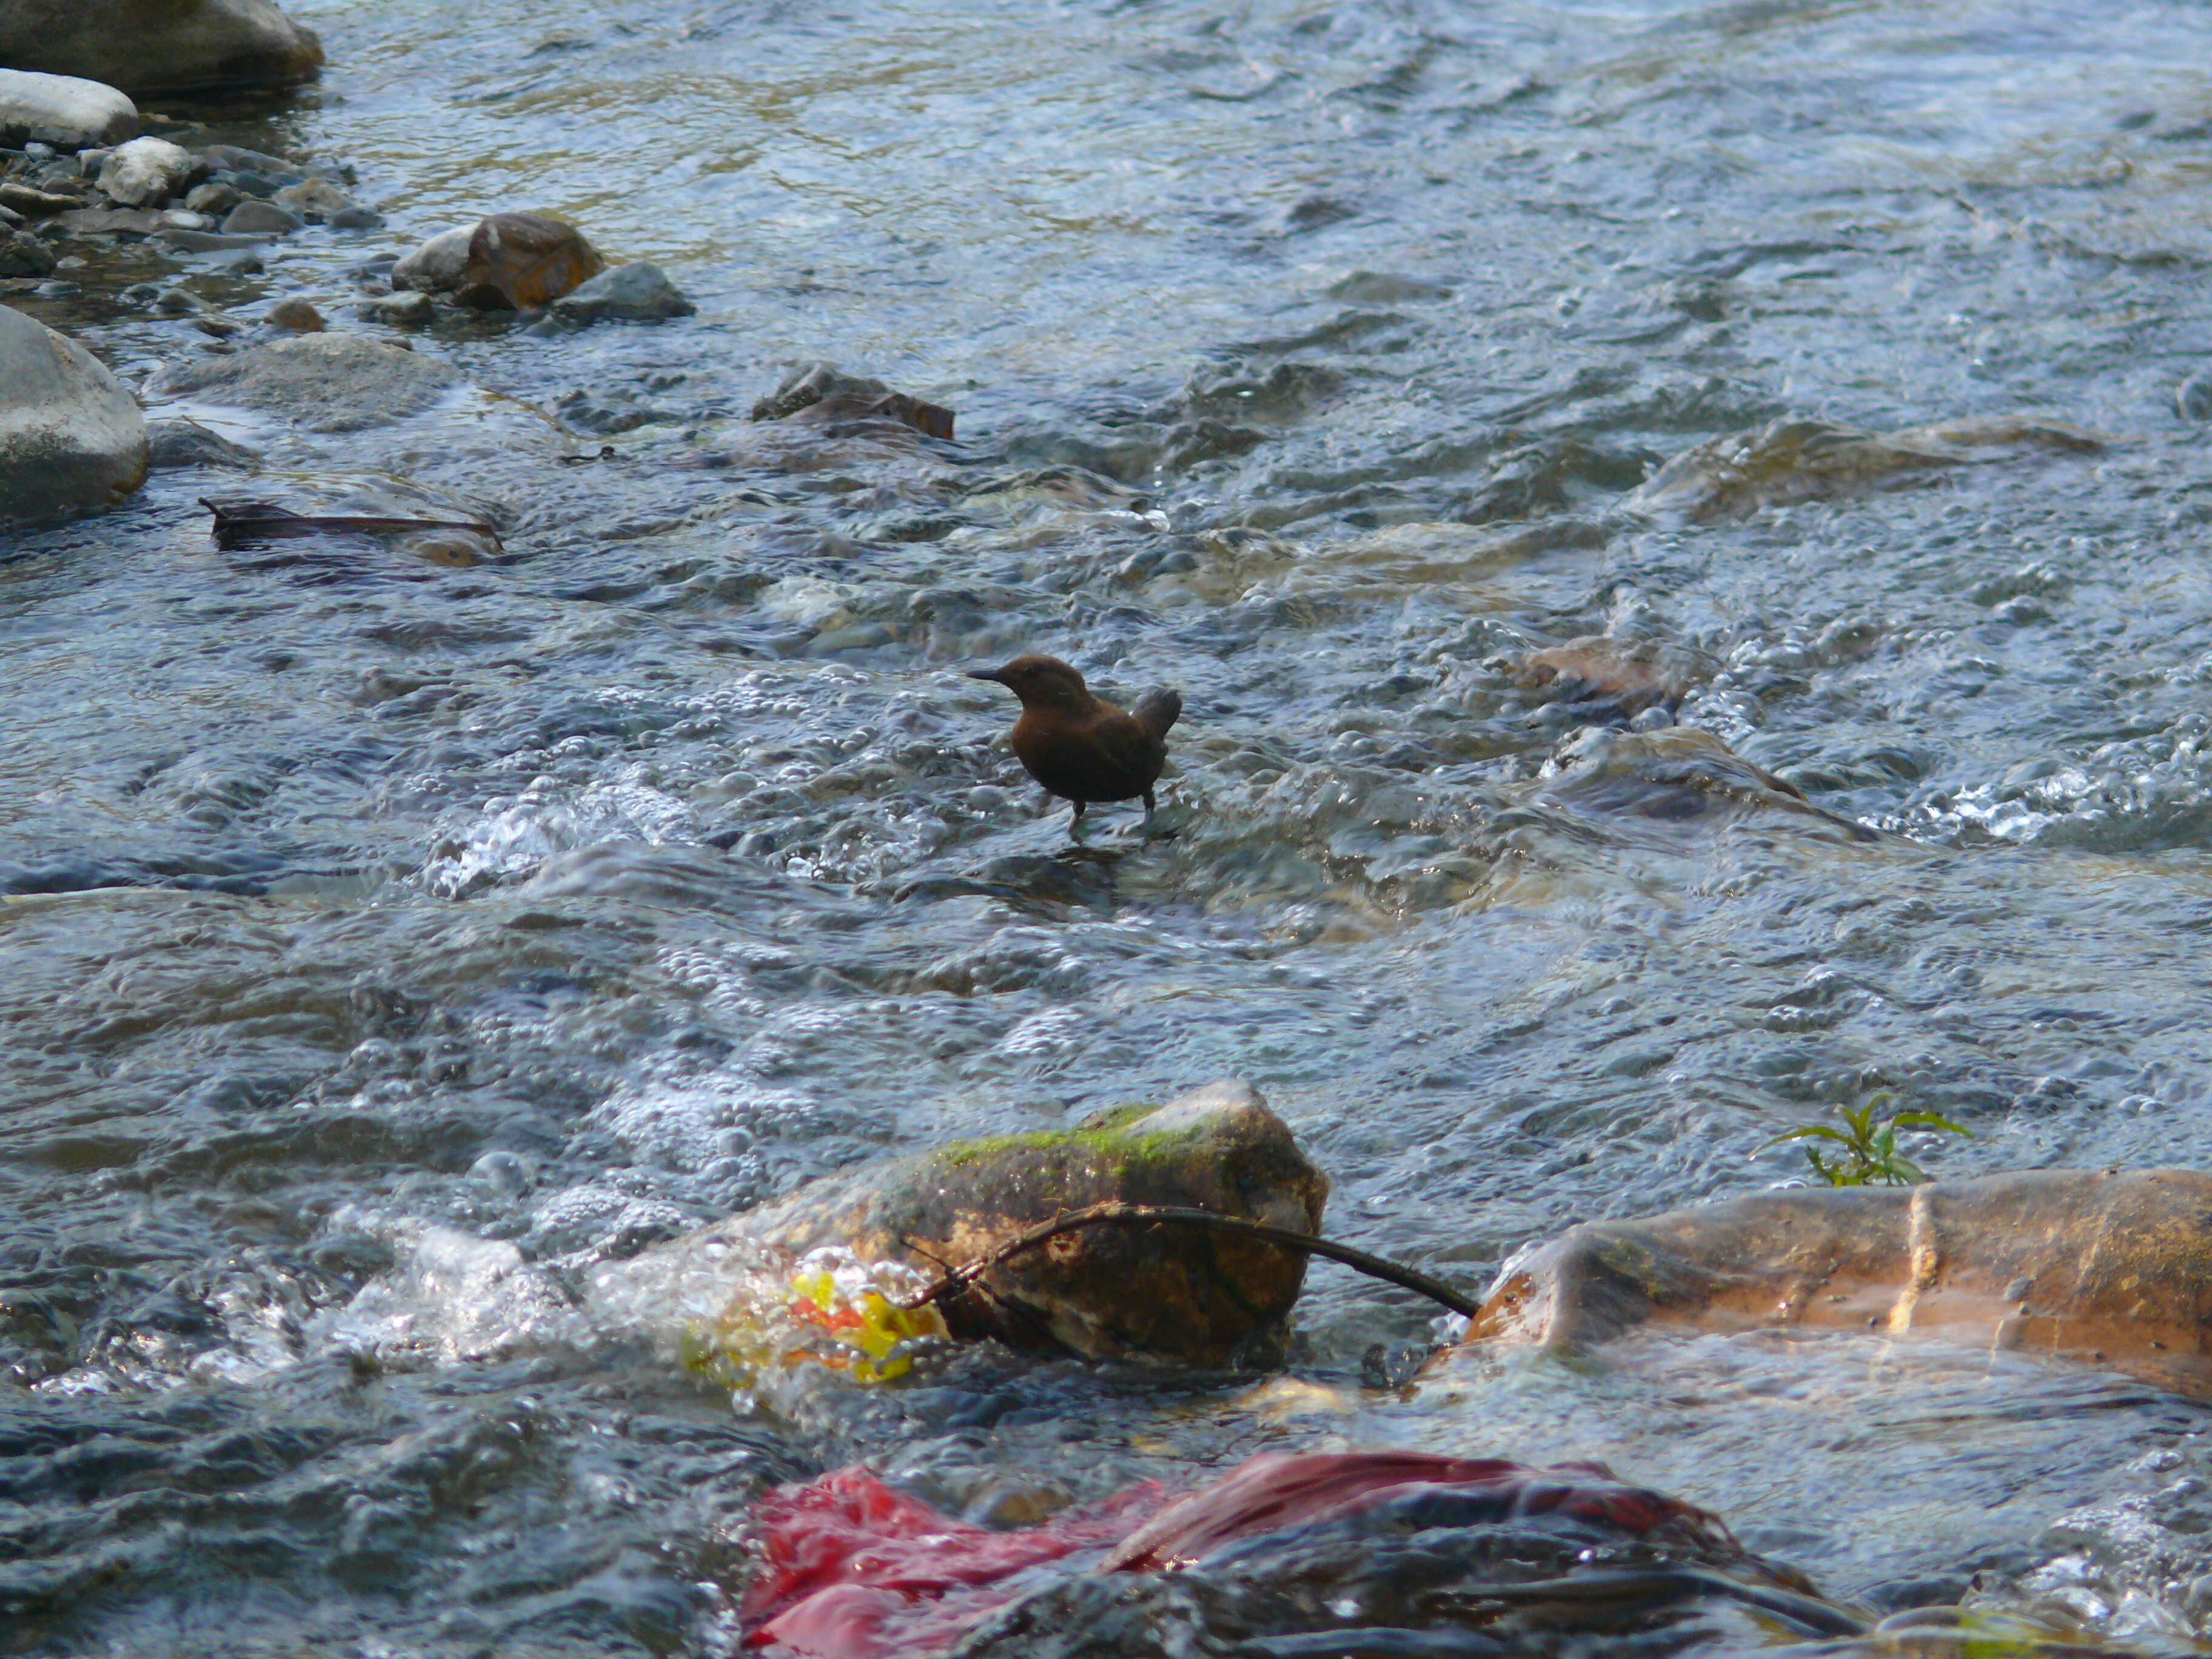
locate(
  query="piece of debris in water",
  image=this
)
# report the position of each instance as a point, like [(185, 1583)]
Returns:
[(241, 524)]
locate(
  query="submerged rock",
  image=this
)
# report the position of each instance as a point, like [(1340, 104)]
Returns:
[(637, 292), (1672, 776), (325, 382), (1630, 675), (1168, 1293), (63, 110), (825, 393), (1798, 460), (177, 444), (143, 46), (2111, 1268), (146, 172), (70, 437)]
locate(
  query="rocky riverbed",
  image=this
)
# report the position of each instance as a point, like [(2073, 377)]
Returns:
[(1677, 531)]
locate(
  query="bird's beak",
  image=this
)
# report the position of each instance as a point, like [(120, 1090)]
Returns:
[(997, 675)]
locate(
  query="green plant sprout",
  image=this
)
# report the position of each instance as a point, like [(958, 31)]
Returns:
[(1869, 1156)]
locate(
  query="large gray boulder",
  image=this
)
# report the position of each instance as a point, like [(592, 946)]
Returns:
[(324, 382), (63, 111), (70, 437), (145, 46)]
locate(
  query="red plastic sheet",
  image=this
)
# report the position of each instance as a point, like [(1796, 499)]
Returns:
[(852, 1570)]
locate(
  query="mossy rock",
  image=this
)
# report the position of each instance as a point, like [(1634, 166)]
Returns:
[(1176, 1294)]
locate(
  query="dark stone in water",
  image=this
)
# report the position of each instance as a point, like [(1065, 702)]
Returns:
[(175, 444), (833, 395)]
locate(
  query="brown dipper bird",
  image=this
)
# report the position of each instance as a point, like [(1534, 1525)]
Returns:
[(1080, 747)]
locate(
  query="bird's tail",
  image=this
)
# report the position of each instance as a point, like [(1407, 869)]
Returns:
[(1156, 711)]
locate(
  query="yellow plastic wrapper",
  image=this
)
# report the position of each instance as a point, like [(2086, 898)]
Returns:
[(830, 1310)]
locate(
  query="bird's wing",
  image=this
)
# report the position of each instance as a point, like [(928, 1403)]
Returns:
[(1156, 711)]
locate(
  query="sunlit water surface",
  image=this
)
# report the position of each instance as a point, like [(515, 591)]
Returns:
[(391, 946)]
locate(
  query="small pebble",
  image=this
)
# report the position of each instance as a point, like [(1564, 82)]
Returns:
[(355, 218), (296, 315)]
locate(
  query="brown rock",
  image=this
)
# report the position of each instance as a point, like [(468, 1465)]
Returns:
[(825, 394), (295, 316), (2112, 1269), (520, 261)]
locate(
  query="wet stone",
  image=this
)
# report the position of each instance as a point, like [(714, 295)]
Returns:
[(637, 292), (296, 316), (70, 437), (252, 218), (403, 310), (2192, 399), (213, 196), (824, 393), (178, 444), (325, 382)]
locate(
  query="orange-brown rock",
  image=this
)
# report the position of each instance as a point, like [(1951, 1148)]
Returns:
[(2112, 1269), (520, 261)]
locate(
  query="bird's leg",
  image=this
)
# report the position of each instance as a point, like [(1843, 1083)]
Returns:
[(1075, 823), (1148, 815)]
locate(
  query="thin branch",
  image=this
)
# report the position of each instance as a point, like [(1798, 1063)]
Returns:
[(1145, 1215)]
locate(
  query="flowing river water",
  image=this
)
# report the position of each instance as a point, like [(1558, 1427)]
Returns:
[(389, 946)]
